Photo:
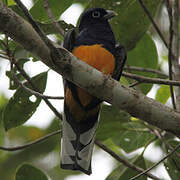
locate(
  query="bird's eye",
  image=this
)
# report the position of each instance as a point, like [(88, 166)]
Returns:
[(96, 14)]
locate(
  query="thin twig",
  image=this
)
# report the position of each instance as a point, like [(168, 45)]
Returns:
[(153, 22), (170, 52), (143, 79), (34, 24), (2, 53), (163, 159), (34, 92), (33, 86), (53, 50), (31, 143), (4, 57), (135, 84), (160, 136), (51, 16), (126, 163), (149, 70), (3, 43), (147, 144), (168, 145)]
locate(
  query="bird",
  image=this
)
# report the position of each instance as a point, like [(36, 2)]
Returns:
[(95, 44)]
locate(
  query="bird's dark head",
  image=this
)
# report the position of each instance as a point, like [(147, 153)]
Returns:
[(95, 16)]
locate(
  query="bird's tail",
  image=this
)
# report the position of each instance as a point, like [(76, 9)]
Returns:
[(77, 143)]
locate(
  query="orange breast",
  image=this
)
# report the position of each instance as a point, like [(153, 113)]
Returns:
[(99, 58), (96, 56)]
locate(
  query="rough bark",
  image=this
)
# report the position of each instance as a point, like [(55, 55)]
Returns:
[(175, 48)]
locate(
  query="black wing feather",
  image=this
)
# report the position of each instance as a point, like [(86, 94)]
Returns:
[(120, 58), (69, 41)]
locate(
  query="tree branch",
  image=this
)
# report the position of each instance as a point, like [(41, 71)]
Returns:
[(33, 23), (96, 83), (149, 70), (175, 50), (170, 52), (98, 143), (169, 46), (34, 92), (126, 163), (51, 16), (143, 79), (17, 148), (156, 164), (153, 23), (13, 61)]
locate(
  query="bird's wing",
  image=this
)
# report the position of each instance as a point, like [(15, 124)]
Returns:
[(120, 58)]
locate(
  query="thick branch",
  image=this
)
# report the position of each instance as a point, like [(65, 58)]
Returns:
[(175, 49), (170, 52), (93, 81)]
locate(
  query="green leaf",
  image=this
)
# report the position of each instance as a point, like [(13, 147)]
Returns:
[(29, 172), (8, 2), (163, 94), (116, 173), (114, 124), (57, 7), (132, 136), (132, 22), (111, 120), (48, 28), (11, 2), (56, 173), (111, 145), (129, 173), (144, 55), (12, 83), (20, 108), (172, 164), (124, 81), (3, 102), (2, 47), (122, 172), (27, 133)]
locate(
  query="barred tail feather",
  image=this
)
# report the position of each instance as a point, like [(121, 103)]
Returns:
[(77, 144)]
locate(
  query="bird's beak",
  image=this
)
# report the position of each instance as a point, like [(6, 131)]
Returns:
[(110, 14)]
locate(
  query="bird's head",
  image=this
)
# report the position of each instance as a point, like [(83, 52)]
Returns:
[(94, 16)]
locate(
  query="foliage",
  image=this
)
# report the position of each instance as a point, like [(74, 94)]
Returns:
[(117, 129), (20, 107), (122, 172), (145, 48), (27, 171)]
